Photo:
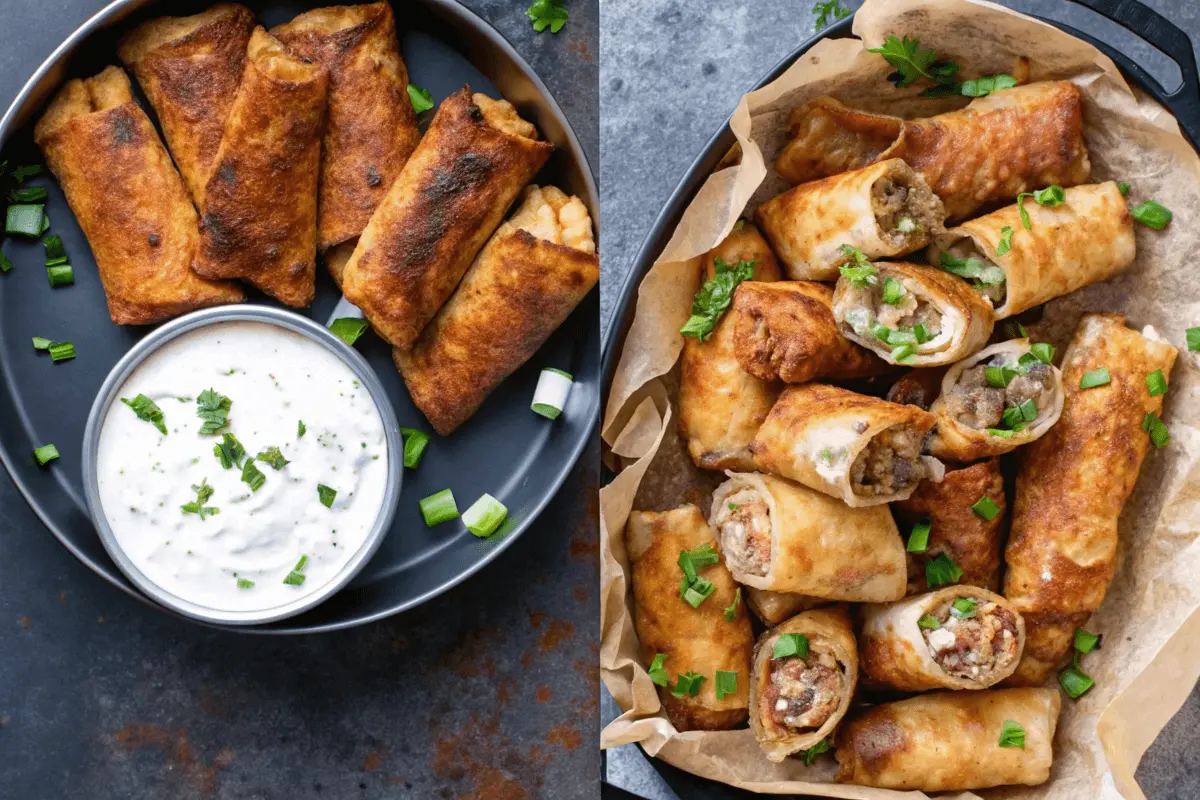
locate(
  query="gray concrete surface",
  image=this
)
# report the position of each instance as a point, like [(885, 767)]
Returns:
[(671, 73)]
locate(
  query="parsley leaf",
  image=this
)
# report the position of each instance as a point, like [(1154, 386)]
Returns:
[(714, 297), (213, 408), (420, 98), (911, 61), (656, 671), (348, 329), (274, 457), (823, 10), (203, 493), (810, 755), (146, 409), (862, 274), (547, 13), (253, 475), (1005, 241), (229, 451)]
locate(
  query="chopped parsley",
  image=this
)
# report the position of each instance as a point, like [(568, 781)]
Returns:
[(296, 576), (203, 493), (731, 609), (300, 429), (213, 408), (252, 475), (687, 685), (810, 755), (229, 450), (714, 297), (420, 98), (1005, 240), (911, 61), (725, 683), (790, 644), (862, 274), (824, 10), (656, 671), (326, 495), (147, 410), (547, 14), (274, 457), (1049, 197)]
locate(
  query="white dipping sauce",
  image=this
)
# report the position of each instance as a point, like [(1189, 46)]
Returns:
[(275, 379)]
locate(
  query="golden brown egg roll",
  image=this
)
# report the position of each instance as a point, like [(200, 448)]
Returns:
[(129, 201), (972, 645), (452, 193), (1085, 240), (258, 221), (785, 537), (950, 741), (721, 406), (1073, 483), (976, 408), (774, 607), (955, 320), (882, 210), (371, 128), (786, 331), (798, 700), (917, 387), (528, 278), (698, 639), (1011, 141), (861, 449), (973, 543), (190, 69)]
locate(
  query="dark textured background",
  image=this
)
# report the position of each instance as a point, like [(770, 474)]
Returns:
[(488, 691), (671, 73)]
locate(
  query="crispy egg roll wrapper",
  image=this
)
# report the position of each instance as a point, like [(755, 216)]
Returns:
[(774, 607), (917, 387), (808, 225), (528, 278), (258, 221), (861, 449), (190, 69), (831, 665), (721, 406), (960, 318), (448, 199), (970, 541), (371, 128), (949, 741), (1011, 141), (785, 537), (896, 654), (129, 201), (1085, 240), (694, 639), (966, 408), (1072, 485), (786, 331)]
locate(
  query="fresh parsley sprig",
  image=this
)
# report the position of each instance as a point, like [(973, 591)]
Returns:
[(147, 410), (547, 14), (911, 62), (714, 297), (213, 408), (824, 10), (203, 493)]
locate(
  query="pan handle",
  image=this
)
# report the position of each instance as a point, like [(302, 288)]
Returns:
[(1166, 36)]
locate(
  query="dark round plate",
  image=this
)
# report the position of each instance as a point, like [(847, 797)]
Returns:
[(505, 449)]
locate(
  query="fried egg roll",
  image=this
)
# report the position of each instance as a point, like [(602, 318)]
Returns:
[(995, 401), (1011, 141), (959, 637), (882, 210), (258, 221), (917, 387), (973, 543), (452, 193), (797, 700), (912, 314), (786, 331), (774, 607), (861, 449), (1086, 239), (721, 406), (698, 640), (1073, 483), (190, 69), (785, 537), (950, 741), (528, 278), (129, 201), (371, 128)]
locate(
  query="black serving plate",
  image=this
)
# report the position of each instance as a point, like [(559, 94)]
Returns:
[(505, 450)]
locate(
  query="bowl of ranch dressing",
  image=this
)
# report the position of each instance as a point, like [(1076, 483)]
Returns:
[(241, 464)]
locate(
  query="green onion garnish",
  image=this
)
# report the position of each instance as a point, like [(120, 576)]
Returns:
[(941, 571), (484, 516), (1159, 435), (438, 508), (25, 220), (41, 344), (918, 540), (420, 98), (810, 755), (657, 673), (246, 583), (55, 253), (326, 495), (296, 577), (5, 264), (1156, 382), (893, 291), (790, 644), (252, 475), (903, 354), (928, 622), (415, 442), (698, 591), (1097, 377), (1005, 243), (348, 329), (28, 194), (1012, 734), (146, 410), (1193, 339), (1075, 682), (731, 610), (1086, 642), (963, 608), (1123, 188), (1043, 352), (1028, 409), (25, 171), (60, 275), (985, 508), (550, 396), (1001, 433), (45, 454), (1153, 214), (687, 685), (300, 429), (62, 351), (725, 683)]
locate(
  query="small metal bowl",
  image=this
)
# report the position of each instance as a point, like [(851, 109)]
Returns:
[(213, 316)]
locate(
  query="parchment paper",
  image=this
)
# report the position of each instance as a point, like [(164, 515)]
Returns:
[(1151, 654)]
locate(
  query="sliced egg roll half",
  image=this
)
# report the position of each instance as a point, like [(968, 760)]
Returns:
[(774, 607), (453, 192), (1085, 239), (786, 331), (950, 741), (911, 314), (784, 537), (371, 128), (190, 69), (696, 641), (721, 406), (1073, 482), (129, 200), (527, 279), (258, 221), (882, 210), (858, 448), (804, 675)]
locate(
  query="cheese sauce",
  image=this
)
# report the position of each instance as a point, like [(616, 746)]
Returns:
[(239, 558)]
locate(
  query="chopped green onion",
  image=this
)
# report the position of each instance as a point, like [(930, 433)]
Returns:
[(1086, 642), (918, 540), (550, 396), (300, 429), (147, 411), (420, 98), (1050, 196), (687, 685), (60, 275), (203, 493), (941, 571), (1156, 382), (5, 264), (25, 220), (810, 755), (1123, 188), (45, 223), (1193, 339), (230, 451), (731, 610), (484, 516), (790, 644), (45, 454), (1011, 419), (1015, 330), (903, 354), (28, 194), (698, 558), (893, 291), (252, 475), (295, 577), (656, 671), (54, 249), (1159, 435), (1005, 244), (415, 442), (1001, 433), (698, 591), (1028, 409), (245, 583), (348, 329), (41, 344), (902, 337), (62, 351), (1043, 352), (1097, 377), (985, 85), (436, 508), (882, 332), (963, 608), (1012, 734), (327, 495), (986, 508), (928, 622), (921, 334), (725, 683), (1153, 214), (1075, 682), (999, 377), (27, 171)]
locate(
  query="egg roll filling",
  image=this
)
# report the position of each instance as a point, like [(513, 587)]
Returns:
[(744, 527), (903, 212), (966, 260), (902, 307), (890, 463), (984, 393), (973, 639), (802, 693)]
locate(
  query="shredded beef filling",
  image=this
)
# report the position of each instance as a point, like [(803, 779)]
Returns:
[(889, 464), (975, 404), (901, 211), (802, 693), (744, 525), (977, 647)]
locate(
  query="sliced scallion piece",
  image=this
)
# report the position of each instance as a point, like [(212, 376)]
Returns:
[(24, 219), (55, 253), (245, 583), (1097, 377), (60, 275), (656, 671), (986, 508), (1153, 214), (928, 622), (296, 576), (790, 644), (484, 516), (1193, 340), (41, 344), (941, 571), (5, 264), (725, 683), (45, 454), (1156, 382), (1075, 682), (438, 508), (1012, 734), (27, 194), (550, 397), (348, 329), (415, 442), (918, 540), (61, 351)]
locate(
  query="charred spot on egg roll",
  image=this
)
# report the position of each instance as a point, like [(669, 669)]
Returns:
[(528, 278), (129, 200), (861, 449), (190, 69), (721, 406), (258, 221), (371, 128), (882, 210)]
